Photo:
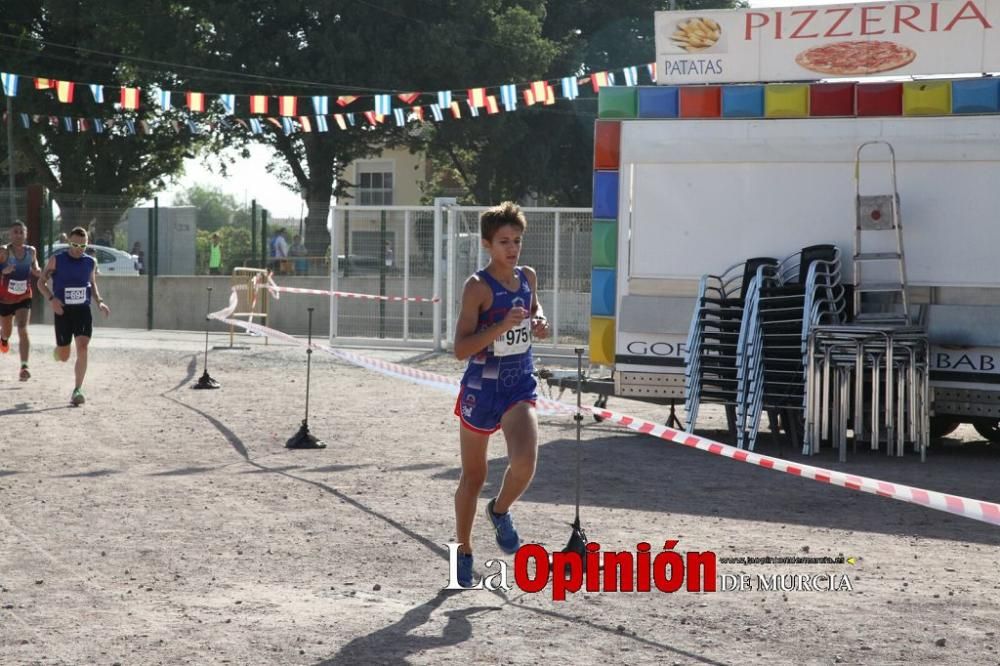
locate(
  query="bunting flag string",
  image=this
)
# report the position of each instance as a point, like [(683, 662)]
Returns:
[(288, 118)]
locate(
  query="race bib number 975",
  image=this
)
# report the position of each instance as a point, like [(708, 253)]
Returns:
[(515, 341), (74, 295)]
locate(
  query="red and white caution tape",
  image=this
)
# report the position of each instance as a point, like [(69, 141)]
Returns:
[(277, 290), (987, 512)]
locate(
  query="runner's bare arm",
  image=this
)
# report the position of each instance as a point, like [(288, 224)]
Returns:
[(35, 270), (539, 324), (43, 281), (101, 305)]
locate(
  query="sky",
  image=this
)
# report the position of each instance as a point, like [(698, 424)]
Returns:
[(248, 179)]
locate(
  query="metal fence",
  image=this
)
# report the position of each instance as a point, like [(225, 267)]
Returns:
[(431, 250)]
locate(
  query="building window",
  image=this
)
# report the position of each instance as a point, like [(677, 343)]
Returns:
[(375, 184)]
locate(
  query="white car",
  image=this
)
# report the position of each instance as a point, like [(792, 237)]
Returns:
[(110, 261)]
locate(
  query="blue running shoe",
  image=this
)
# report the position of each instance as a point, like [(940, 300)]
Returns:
[(507, 537), (465, 569)]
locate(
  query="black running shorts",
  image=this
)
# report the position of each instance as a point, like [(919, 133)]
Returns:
[(7, 309), (75, 320)]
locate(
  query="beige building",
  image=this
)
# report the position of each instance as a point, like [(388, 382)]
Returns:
[(390, 179)]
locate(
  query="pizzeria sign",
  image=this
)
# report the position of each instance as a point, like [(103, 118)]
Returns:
[(828, 41)]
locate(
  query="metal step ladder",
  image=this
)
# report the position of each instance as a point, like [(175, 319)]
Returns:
[(879, 213)]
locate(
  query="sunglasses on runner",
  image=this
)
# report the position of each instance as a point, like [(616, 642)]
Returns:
[(79, 246)]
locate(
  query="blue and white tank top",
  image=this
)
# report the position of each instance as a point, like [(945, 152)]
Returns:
[(508, 359), (71, 279)]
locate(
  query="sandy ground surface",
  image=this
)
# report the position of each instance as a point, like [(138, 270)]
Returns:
[(162, 525)]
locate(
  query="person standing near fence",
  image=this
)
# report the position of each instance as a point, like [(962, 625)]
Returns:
[(500, 314), (215, 255), (74, 284), (20, 265), (298, 250)]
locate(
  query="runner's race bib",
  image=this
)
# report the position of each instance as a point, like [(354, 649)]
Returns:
[(17, 287), (515, 341), (74, 295)]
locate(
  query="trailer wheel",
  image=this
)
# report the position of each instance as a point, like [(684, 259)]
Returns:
[(942, 426), (988, 428)]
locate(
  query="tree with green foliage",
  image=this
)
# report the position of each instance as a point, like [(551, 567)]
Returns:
[(356, 48), (236, 250), (94, 177), (215, 208)]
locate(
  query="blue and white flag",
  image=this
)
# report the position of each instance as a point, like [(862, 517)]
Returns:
[(98, 125), (287, 125), (444, 99), (97, 90), (383, 105), (68, 123), (321, 125), (192, 126), (130, 125), (631, 76), (164, 97), (611, 78), (228, 103), (508, 96), (255, 126), (9, 84), (350, 119), (25, 120), (436, 113), (321, 104), (570, 87), (400, 117), (472, 109)]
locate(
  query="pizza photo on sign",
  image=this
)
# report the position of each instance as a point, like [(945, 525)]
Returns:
[(856, 58), (696, 34)]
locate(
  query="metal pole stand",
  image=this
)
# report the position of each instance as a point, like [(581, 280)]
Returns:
[(578, 538), (206, 381), (304, 439)]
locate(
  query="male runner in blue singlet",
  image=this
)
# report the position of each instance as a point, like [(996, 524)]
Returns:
[(18, 265), (499, 317), (74, 283)]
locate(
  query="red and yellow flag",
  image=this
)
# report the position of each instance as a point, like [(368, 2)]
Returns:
[(287, 105), (196, 101), (64, 91), (598, 80), (408, 98), (43, 84), (529, 98), (550, 95), (477, 97), (130, 98), (538, 90), (341, 123), (258, 103), (418, 111), (344, 100), (491, 105), (456, 110)]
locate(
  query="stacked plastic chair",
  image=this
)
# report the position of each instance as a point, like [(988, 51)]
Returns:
[(713, 340)]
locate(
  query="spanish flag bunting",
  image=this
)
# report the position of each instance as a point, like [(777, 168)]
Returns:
[(598, 80), (477, 97), (196, 101), (408, 98), (287, 105), (258, 103), (64, 91), (491, 105), (550, 95), (43, 84), (275, 122), (306, 124), (130, 98), (373, 118), (456, 111), (418, 112), (344, 100), (341, 123), (529, 98), (538, 90)]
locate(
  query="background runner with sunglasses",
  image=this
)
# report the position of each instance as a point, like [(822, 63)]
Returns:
[(74, 284)]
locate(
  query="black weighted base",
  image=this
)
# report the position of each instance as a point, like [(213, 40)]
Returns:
[(206, 382), (304, 439)]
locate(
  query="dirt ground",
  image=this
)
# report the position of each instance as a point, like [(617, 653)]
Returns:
[(162, 525)]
